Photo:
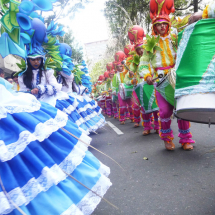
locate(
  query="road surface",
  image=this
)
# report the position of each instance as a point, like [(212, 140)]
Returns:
[(168, 183)]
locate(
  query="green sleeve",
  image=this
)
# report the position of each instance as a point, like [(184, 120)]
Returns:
[(127, 79), (115, 84), (133, 67), (143, 68)]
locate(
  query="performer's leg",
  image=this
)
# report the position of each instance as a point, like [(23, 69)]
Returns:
[(146, 122), (103, 106), (129, 105), (127, 115), (108, 106), (136, 110), (165, 113), (122, 109), (115, 110), (156, 122), (185, 135)]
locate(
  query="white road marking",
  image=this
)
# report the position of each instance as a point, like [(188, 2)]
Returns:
[(115, 128)]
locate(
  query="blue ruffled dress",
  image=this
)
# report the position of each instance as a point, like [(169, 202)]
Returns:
[(36, 154), (50, 92), (90, 113)]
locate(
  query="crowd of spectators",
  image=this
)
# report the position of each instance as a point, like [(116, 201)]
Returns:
[(13, 79)]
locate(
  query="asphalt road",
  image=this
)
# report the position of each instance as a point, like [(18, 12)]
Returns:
[(168, 183)]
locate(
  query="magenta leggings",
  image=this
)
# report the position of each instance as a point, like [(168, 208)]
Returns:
[(122, 108), (166, 133), (109, 107)]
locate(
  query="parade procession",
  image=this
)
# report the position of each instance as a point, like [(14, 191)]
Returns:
[(56, 125)]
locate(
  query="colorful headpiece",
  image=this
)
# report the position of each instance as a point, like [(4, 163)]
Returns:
[(119, 57), (114, 66), (136, 34), (127, 49), (101, 78), (109, 66), (106, 74), (159, 12)]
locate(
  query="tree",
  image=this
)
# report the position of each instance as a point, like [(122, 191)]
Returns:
[(99, 68), (66, 8), (77, 51)]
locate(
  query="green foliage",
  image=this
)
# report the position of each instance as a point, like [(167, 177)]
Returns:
[(77, 74), (96, 71), (181, 23), (136, 59), (99, 68), (22, 66), (151, 45)]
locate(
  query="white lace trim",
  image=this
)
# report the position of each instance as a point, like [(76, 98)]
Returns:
[(69, 110), (101, 123), (42, 132), (104, 170), (35, 106), (165, 119), (88, 204), (183, 43), (206, 85), (83, 109), (48, 178), (73, 210)]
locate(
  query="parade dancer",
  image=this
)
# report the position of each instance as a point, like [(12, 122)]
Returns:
[(117, 80), (101, 98), (43, 84), (43, 159), (135, 106), (136, 35), (112, 107), (78, 97), (81, 102), (162, 62)]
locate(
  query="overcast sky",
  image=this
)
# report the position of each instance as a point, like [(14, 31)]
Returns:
[(89, 24)]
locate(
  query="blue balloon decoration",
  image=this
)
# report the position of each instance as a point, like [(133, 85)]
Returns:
[(26, 7), (40, 34), (24, 21), (65, 49)]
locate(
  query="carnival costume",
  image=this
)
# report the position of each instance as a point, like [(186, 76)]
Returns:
[(111, 105), (50, 92), (162, 61), (100, 95), (88, 109), (136, 108), (81, 102), (37, 158), (115, 101), (143, 94), (118, 79)]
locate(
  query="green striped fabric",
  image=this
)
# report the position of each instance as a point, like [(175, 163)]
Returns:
[(146, 96), (195, 62)]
